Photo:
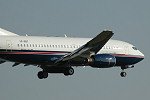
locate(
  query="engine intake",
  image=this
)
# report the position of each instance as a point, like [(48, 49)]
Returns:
[(102, 61)]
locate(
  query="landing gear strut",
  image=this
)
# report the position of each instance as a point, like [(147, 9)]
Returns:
[(42, 74)]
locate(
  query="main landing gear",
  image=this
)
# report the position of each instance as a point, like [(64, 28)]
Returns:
[(67, 71), (42, 74)]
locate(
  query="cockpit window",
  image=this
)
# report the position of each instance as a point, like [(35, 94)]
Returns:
[(134, 48)]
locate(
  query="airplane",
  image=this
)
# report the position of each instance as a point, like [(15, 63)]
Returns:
[(61, 54)]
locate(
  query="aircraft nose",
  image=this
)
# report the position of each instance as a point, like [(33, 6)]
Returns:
[(141, 55), (139, 58)]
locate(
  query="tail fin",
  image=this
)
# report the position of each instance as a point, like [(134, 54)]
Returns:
[(6, 33)]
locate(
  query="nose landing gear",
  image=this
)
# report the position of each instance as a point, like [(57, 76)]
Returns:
[(123, 74)]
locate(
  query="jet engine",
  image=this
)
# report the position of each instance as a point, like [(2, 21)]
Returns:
[(102, 61)]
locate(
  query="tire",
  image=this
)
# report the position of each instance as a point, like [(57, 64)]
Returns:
[(123, 74), (40, 75), (69, 71), (45, 74)]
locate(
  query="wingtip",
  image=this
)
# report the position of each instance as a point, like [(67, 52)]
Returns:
[(106, 30), (110, 31)]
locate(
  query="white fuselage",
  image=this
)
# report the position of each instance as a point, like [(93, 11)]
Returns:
[(45, 50), (63, 44)]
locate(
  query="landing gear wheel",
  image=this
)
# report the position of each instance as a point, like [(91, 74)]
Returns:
[(42, 75), (45, 74), (123, 74), (69, 71)]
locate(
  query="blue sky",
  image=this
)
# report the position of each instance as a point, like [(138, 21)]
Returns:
[(128, 19)]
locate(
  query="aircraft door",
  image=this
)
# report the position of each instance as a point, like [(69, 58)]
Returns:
[(8, 45), (126, 48)]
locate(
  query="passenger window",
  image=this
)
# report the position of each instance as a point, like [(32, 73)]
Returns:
[(134, 48)]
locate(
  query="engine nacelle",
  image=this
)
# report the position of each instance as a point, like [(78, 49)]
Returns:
[(102, 61)]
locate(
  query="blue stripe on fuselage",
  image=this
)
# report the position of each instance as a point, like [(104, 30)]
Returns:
[(127, 59), (48, 57)]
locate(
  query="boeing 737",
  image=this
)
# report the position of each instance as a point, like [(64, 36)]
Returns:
[(60, 54)]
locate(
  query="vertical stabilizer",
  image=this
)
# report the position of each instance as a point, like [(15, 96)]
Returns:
[(6, 33)]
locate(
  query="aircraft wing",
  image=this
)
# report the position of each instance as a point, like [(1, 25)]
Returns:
[(90, 48)]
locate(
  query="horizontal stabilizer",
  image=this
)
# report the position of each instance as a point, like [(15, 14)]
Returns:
[(2, 62)]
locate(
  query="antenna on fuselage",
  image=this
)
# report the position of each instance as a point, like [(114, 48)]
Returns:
[(65, 35)]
